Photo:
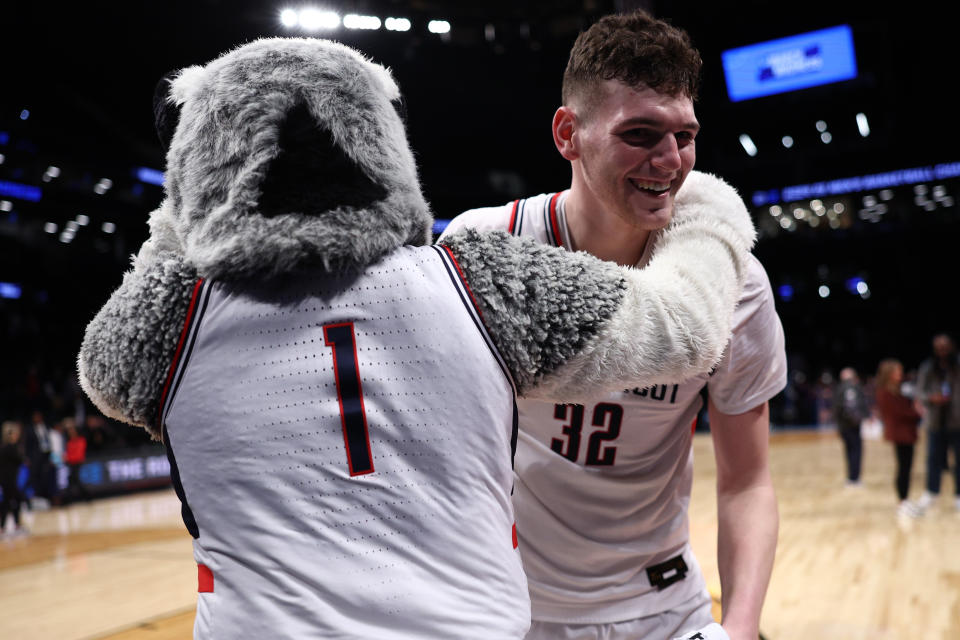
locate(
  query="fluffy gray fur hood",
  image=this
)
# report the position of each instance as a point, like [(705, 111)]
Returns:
[(287, 153)]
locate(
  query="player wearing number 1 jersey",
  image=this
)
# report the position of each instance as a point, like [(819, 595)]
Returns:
[(603, 486), (337, 399)]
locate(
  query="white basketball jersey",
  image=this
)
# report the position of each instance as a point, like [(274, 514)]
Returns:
[(603, 488), (342, 447)]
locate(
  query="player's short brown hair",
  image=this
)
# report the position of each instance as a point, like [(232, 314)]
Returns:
[(636, 49)]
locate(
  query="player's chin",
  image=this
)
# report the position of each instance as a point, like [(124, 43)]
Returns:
[(652, 219)]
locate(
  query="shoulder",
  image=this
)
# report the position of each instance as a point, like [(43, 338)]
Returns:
[(500, 217), (756, 303), (482, 219), (756, 284)]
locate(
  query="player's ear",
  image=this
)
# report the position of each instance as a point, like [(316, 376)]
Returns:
[(564, 133)]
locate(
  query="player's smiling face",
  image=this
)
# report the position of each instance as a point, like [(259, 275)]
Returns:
[(635, 149)]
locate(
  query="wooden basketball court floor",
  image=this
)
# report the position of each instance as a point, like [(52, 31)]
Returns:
[(846, 567)]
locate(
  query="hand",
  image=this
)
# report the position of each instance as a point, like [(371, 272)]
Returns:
[(712, 631)]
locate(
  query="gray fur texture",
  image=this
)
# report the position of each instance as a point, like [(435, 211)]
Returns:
[(129, 345), (231, 114), (570, 326), (540, 304), (677, 315)]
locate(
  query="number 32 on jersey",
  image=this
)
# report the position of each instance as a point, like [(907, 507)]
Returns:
[(598, 450)]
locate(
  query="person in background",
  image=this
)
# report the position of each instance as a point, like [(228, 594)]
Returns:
[(75, 455), (938, 383), (849, 410), (11, 459), (57, 452), (37, 448), (900, 418)]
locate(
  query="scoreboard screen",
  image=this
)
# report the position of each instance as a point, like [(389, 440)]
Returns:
[(791, 63)]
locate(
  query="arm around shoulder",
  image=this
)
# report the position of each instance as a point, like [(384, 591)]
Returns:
[(570, 325)]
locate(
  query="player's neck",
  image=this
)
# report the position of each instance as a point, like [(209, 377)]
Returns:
[(605, 236)]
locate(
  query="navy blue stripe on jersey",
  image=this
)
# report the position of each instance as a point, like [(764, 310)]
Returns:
[(194, 316), (186, 513), (518, 225), (174, 362), (466, 296)]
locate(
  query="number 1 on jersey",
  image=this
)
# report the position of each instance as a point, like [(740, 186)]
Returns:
[(353, 417)]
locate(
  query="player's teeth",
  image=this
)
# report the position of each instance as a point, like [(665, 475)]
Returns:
[(653, 186)]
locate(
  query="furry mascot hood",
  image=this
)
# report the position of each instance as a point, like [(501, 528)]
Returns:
[(287, 153)]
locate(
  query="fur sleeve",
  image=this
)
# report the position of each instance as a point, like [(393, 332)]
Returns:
[(128, 346), (570, 326)]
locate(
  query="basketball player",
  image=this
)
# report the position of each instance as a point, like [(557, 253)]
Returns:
[(604, 486), (337, 398)]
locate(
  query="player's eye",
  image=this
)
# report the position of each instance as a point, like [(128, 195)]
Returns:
[(641, 137), (685, 137)]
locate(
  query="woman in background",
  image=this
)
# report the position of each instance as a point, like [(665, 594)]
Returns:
[(900, 418), (11, 459)]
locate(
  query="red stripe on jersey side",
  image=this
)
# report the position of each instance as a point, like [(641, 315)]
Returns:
[(463, 279), (176, 356), (513, 216), (553, 219), (693, 425), (204, 579), (514, 535)]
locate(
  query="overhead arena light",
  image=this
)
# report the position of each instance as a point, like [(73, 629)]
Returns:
[(863, 125), (748, 145), (354, 21), (397, 24), (787, 141), (289, 18), (438, 26), (314, 19)]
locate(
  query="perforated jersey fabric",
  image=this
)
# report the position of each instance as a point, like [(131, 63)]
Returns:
[(404, 532)]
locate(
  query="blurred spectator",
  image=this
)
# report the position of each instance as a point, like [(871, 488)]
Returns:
[(58, 445), (823, 397), (11, 459), (37, 449), (75, 456), (900, 418), (98, 434), (850, 409), (938, 390)]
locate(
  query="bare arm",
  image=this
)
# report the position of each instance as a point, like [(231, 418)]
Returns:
[(747, 515)]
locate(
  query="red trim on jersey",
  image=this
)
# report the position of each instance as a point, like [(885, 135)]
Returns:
[(463, 279), (176, 356), (513, 216), (514, 535), (363, 408), (553, 219), (693, 425), (204, 579)]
